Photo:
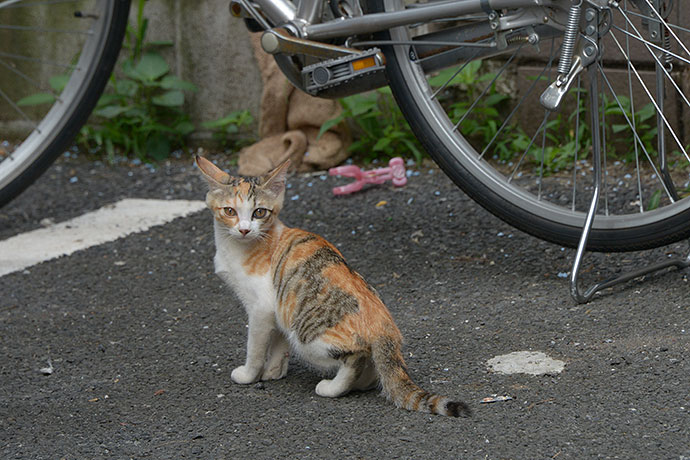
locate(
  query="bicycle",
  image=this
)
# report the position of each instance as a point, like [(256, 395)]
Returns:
[(448, 65)]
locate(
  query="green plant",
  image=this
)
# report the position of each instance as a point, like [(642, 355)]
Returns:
[(141, 109), (57, 84), (466, 92), (642, 118), (230, 131), (381, 131)]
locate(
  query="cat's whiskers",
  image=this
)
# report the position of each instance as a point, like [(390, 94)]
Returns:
[(263, 236)]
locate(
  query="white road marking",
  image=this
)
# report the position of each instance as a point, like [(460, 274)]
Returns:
[(97, 227), (525, 362)]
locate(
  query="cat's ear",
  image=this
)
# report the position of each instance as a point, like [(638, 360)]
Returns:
[(213, 174), (274, 181)]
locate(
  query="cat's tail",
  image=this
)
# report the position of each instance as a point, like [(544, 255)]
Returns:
[(399, 387)]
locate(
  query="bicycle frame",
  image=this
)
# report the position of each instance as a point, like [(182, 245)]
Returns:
[(309, 12), (299, 31)]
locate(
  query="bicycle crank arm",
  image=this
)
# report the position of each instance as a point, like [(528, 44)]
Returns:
[(281, 41)]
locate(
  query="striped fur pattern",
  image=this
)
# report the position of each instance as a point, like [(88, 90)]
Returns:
[(301, 295)]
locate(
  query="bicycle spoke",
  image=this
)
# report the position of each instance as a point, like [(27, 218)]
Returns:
[(540, 180), (8, 3), (637, 137), (604, 174), (529, 146), (658, 62), (543, 142), (481, 95), (17, 108), (40, 61), (24, 76), (46, 30), (577, 139), (20, 4), (632, 110), (665, 24), (651, 98), (650, 44), (642, 16), (519, 104), (445, 85)]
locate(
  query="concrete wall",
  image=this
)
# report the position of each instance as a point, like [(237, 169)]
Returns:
[(212, 50)]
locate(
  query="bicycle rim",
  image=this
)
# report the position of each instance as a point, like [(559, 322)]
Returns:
[(532, 167), (51, 56)]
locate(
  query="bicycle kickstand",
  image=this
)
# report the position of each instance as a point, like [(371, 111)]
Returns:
[(586, 295)]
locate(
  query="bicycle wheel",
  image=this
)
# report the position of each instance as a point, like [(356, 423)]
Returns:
[(55, 59), (464, 104)]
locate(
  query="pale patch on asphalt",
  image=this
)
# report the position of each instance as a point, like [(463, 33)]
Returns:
[(97, 227), (525, 362)]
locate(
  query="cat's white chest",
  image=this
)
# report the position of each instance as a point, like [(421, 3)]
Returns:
[(254, 291)]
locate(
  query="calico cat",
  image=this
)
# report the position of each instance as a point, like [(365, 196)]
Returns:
[(300, 294)]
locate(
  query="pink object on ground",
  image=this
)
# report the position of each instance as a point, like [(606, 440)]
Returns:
[(395, 172)]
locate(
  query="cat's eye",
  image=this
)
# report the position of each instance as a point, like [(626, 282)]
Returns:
[(260, 213), (230, 212)]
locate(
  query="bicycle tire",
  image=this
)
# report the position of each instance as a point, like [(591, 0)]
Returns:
[(83, 89), (458, 159)]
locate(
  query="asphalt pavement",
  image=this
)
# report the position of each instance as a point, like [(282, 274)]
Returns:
[(124, 350)]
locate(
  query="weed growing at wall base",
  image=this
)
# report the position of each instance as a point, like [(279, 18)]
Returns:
[(141, 110), (380, 129)]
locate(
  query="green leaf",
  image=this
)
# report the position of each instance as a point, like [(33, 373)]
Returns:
[(381, 144), (110, 111), (136, 112), (646, 112), (128, 70), (654, 200), (237, 118), (151, 66), (184, 128), (108, 99), (58, 82), (173, 82), (617, 128), (356, 146), (219, 123), (173, 98), (328, 124), (441, 78), (157, 147), (495, 99), (126, 87), (413, 148), (36, 99)]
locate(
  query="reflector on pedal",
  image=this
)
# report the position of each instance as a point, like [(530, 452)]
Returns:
[(363, 63)]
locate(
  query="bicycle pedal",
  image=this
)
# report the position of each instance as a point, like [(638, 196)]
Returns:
[(345, 75)]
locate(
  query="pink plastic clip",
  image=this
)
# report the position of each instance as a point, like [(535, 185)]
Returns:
[(395, 172)]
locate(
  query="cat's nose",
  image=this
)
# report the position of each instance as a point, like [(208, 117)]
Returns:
[(244, 231)]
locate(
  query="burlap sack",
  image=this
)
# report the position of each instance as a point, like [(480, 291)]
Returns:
[(289, 124)]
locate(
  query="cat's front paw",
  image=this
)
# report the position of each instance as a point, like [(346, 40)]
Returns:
[(330, 389), (244, 376)]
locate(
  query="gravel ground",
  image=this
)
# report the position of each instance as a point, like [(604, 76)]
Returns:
[(142, 336)]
